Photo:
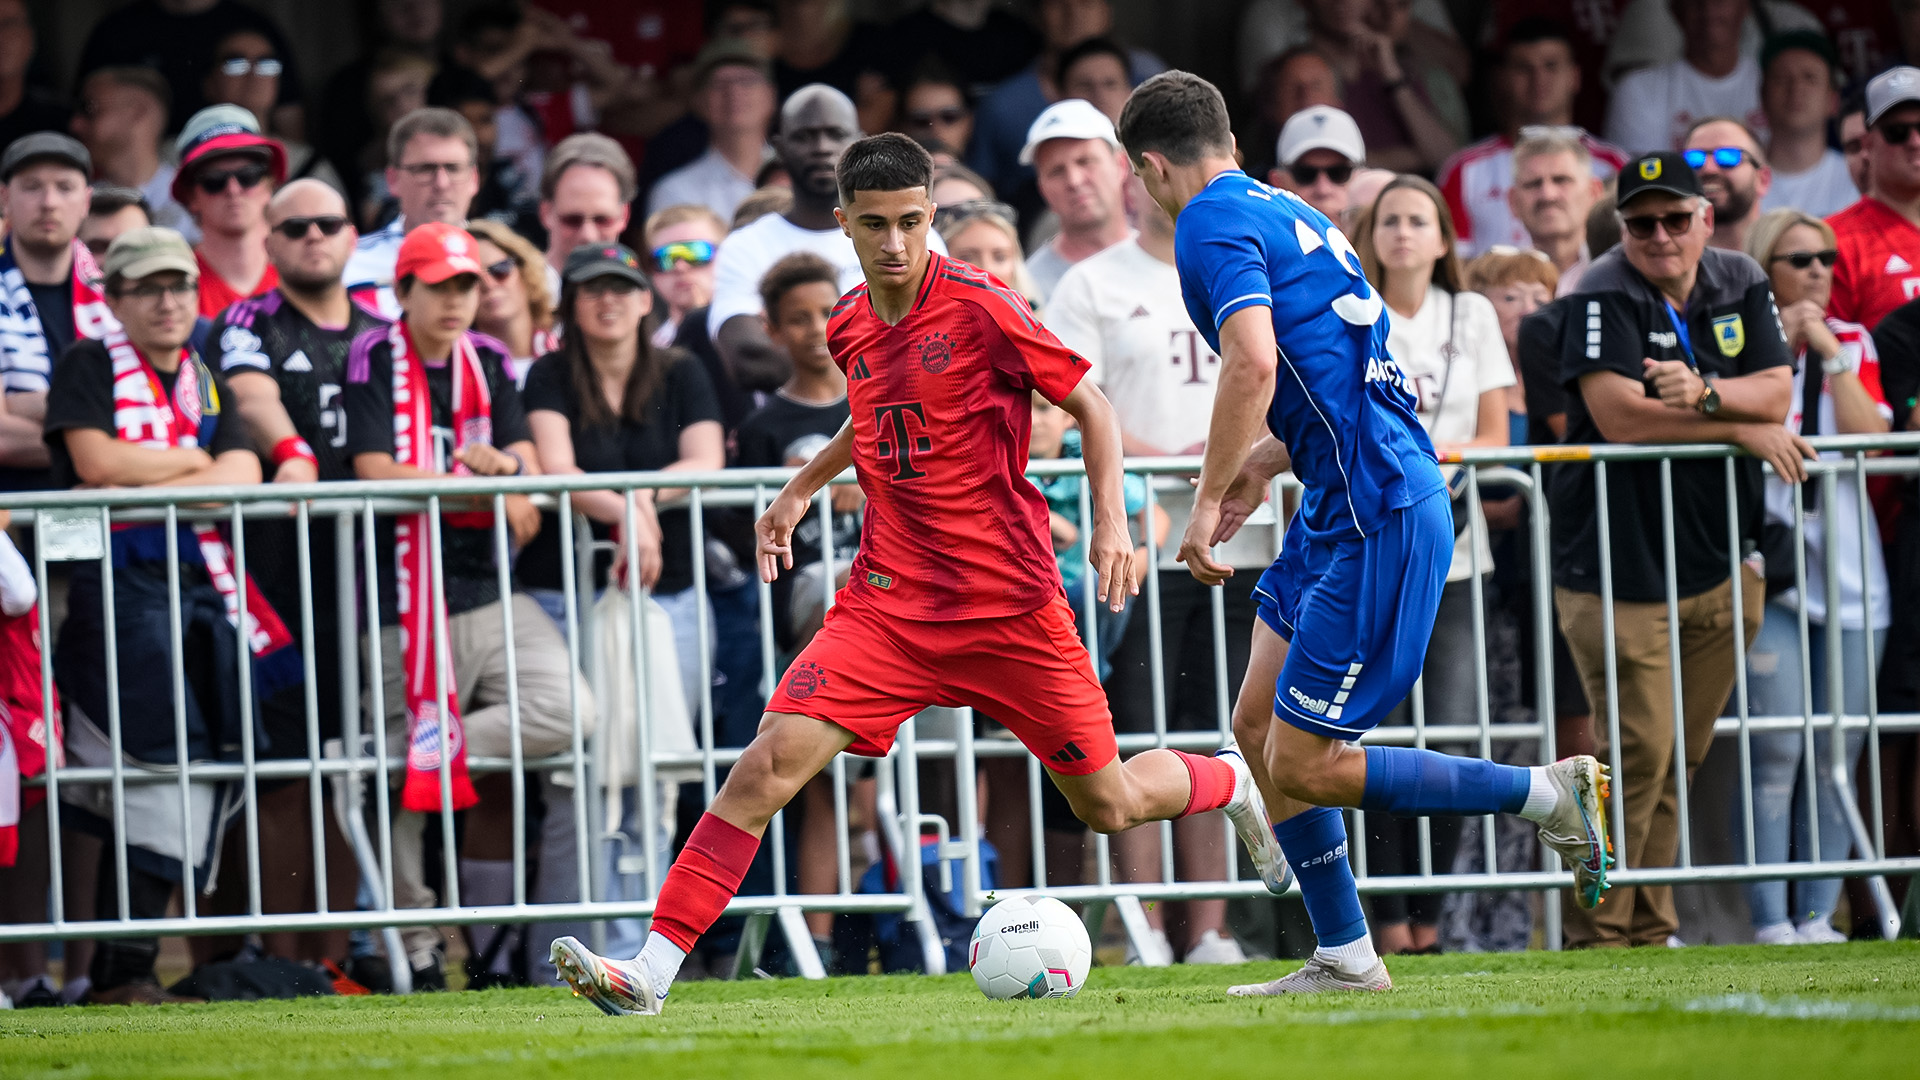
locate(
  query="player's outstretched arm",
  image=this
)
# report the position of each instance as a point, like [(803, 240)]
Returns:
[(774, 530), (1111, 550), (1249, 357)]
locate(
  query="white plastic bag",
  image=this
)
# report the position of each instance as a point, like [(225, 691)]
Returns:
[(666, 715)]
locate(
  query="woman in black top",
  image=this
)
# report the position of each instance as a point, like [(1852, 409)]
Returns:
[(610, 401)]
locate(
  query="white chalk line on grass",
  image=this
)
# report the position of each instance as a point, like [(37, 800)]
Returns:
[(1796, 1008)]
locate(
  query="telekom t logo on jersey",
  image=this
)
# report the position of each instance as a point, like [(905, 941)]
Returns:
[(903, 444), (1187, 350)]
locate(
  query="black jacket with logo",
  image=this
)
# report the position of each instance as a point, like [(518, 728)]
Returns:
[(1617, 320)]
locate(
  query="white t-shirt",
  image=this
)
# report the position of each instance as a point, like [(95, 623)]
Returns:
[(1653, 108), (709, 180), (368, 274), (750, 251), (1121, 309), (1844, 517), (1450, 366), (1821, 191)]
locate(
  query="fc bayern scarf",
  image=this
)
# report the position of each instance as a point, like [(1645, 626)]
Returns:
[(144, 415), (421, 604), (25, 366)]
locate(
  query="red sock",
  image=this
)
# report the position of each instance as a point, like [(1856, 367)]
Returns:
[(705, 876), (1212, 783)]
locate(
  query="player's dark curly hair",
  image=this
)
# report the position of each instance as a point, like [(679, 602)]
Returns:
[(887, 162), (1178, 114)]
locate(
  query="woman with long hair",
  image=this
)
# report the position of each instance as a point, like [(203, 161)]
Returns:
[(515, 306), (1446, 341), (609, 400), (1836, 391)]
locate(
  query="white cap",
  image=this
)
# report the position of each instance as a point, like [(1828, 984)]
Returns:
[(1894, 86), (1074, 118), (1321, 127)]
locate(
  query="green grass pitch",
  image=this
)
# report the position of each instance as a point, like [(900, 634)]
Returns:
[(1745, 1012)]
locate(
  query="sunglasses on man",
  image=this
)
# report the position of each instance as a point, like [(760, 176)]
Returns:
[(1641, 226), (1800, 260), (1306, 174), (213, 183), (683, 253), (1896, 134), (600, 221), (1726, 157), (297, 228)]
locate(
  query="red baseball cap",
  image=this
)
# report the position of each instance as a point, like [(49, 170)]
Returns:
[(434, 252)]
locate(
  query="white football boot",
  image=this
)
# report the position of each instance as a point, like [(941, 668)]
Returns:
[(616, 987), (1248, 812)]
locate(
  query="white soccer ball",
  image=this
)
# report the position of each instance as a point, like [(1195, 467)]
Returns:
[(1030, 947)]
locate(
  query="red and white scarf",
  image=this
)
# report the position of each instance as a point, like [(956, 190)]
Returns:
[(25, 360), (413, 444), (143, 415)]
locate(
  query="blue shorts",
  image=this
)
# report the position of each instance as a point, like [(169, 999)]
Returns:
[(1357, 615)]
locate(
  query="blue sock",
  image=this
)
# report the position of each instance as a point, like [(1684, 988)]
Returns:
[(1315, 844), (1413, 783)]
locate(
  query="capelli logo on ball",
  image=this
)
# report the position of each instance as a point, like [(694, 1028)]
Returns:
[(1021, 927)]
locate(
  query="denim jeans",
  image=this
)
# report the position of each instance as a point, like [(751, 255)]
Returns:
[(1782, 820)]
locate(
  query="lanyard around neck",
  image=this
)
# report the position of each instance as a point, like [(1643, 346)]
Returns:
[(1680, 327)]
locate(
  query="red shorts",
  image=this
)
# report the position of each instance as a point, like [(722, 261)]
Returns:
[(868, 671)]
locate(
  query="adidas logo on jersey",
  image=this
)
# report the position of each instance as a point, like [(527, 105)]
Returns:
[(1067, 755), (298, 362), (859, 368), (1139, 312), (1897, 265)]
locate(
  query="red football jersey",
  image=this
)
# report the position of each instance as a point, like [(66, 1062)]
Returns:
[(942, 410), (1879, 267)]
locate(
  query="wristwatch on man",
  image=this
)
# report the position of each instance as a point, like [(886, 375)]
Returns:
[(1708, 402)]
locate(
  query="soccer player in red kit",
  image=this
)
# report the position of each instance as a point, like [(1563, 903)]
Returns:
[(955, 598)]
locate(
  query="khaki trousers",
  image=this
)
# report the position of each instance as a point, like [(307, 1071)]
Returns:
[(1648, 769), (477, 642)]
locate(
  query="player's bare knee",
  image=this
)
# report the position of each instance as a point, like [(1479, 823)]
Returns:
[(1307, 780), (1250, 731)]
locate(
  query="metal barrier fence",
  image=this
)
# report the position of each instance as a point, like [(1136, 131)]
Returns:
[(75, 527)]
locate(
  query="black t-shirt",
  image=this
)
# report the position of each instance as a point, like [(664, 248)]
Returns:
[(180, 47), (81, 396), (1542, 337), (54, 305), (38, 111), (778, 433), (1897, 340), (268, 335), (684, 398), (980, 58), (367, 400), (869, 49), (1617, 319)]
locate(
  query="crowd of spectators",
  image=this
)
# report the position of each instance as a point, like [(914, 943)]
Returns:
[(543, 239)]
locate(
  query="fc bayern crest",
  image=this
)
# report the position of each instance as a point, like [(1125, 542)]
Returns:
[(806, 680), (936, 352)]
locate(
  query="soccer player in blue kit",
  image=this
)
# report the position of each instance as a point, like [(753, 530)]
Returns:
[(1348, 607)]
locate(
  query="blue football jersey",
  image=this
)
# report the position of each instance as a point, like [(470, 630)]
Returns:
[(1340, 403)]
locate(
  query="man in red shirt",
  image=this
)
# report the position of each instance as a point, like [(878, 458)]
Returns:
[(955, 598), (228, 172), (1879, 236)]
